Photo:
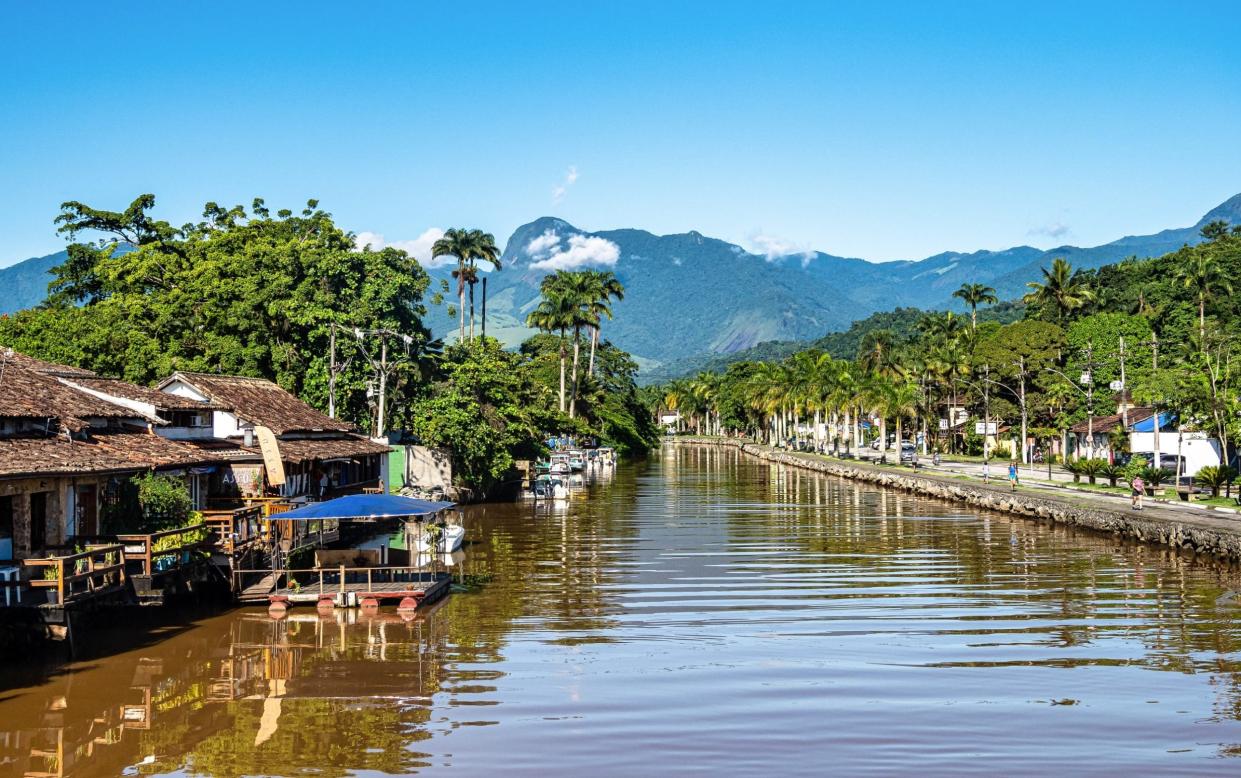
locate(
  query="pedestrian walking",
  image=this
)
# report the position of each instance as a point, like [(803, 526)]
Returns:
[(1014, 477), (1138, 488), (986, 471)]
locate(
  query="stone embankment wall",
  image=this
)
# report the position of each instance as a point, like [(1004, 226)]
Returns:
[(1205, 535)]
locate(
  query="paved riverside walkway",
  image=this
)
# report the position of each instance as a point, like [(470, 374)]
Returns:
[(1171, 523)]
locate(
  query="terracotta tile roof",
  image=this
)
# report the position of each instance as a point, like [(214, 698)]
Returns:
[(29, 394), (104, 452), (260, 401), (1104, 424), (306, 449), (47, 368), (143, 394)]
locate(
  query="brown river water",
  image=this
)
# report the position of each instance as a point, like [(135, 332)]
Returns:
[(699, 613)]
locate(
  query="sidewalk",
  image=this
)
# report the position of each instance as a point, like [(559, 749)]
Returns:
[(1188, 514)]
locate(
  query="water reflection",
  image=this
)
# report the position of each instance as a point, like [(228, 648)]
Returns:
[(727, 617)]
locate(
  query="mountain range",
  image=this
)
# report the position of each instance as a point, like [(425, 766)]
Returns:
[(689, 295)]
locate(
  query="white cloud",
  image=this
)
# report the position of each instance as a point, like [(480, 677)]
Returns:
[(773, 247), (1055, 230), (419, 248), (544, 244), (561, 189), (583, 250)]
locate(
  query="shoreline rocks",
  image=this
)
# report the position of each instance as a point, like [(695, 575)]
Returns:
[(1203, 535)]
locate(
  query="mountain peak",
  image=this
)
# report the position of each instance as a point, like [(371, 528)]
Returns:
[(1229, 211)]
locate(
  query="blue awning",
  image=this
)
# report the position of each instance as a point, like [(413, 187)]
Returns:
[(1148, 424), (358, 507)]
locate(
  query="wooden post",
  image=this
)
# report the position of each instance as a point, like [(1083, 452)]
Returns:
[(60, 581), (342, 579)]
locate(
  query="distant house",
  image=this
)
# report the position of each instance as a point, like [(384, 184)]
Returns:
[(1198, 449), (310, 442)]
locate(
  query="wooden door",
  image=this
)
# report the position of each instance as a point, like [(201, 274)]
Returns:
[(87, 504)]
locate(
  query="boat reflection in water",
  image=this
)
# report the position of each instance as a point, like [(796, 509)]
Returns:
[(247, 694), (699, 612)]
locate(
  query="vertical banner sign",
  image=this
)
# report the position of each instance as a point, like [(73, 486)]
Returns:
[(271, 455)]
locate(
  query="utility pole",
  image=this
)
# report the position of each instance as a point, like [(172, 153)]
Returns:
[(484, 307), (986, 413), (1089, 380), (1025, 433), (1155, 402), (331, 372), (383, 380), (1124, 388)]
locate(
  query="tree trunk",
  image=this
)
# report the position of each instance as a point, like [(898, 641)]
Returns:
[(471, 310), (461, 301), (594, 343), (562, 361), (577, 350)]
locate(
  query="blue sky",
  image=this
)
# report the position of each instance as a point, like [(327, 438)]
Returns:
[(877, 130)]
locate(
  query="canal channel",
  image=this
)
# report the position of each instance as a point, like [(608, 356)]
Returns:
[(697, 613)]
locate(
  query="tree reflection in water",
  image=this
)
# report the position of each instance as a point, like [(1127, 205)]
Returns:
[(733, 593)]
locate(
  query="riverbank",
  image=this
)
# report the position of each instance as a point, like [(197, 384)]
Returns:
[(1204, 534)]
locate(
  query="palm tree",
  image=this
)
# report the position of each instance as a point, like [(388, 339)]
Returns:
[(974, 295), (576, 292), (1060, 288), (468, 246), (1202, 274), (485, 249), (880, 354), (554, 313), (606, 286)]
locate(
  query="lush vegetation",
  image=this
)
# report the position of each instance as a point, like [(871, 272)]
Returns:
[(249, 292), (1169, 327)]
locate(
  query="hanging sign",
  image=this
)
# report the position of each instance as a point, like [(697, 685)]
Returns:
[(271, 455)]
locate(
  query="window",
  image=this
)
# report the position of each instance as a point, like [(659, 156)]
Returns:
[(6, 517)]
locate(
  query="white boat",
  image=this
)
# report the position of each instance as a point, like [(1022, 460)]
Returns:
[(550, 489), (576, 461), (560, 464), (450, 539)]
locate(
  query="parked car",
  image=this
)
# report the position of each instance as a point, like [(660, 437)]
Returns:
[(909, 452), (1166, 461)]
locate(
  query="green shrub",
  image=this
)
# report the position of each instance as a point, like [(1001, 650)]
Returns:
[(1092, 468), (1216, 477), (1155, 476), (1076, 467), (1135, 466), (1112, 472), (164, 500)]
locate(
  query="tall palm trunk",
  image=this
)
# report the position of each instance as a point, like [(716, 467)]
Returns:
[(577, 350), (461, 299), (471, 310), (594, 343), (563, 355)]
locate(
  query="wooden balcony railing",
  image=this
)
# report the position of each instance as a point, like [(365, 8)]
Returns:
[(147, 549), (235, 529), (97, 571)]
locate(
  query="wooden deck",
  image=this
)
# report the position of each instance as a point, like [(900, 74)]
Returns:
[(422, 588)]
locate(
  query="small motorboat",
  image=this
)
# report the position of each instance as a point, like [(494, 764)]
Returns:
[(446, 538), (550, 489), (576, 461), (559, 464)]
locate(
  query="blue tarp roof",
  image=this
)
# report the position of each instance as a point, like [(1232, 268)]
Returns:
[(365, 506), (1148, 424)]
